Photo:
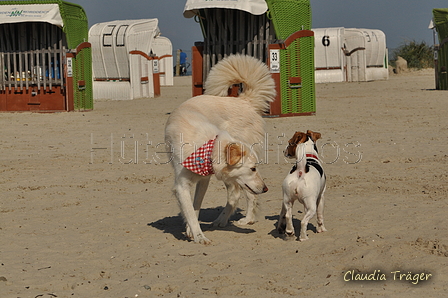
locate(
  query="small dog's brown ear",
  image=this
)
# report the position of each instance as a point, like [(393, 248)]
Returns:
[(234, 153), (314, 135), (302, 138), (297, 138)]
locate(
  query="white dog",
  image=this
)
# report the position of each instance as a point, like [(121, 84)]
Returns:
[(305, 183), (215, 133)]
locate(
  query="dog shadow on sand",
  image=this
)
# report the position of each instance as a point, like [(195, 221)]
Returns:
[(296, 222), (175, 224)]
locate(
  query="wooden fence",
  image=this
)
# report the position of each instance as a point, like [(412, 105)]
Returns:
[(31, 54), (41, 68)]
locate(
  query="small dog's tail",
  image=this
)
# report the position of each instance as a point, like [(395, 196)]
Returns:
[(301, 159), (258, 85)]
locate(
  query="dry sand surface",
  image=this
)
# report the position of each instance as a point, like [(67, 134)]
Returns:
[(87, 210)]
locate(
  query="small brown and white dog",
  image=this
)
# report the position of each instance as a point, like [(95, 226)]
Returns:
[(305, 183)]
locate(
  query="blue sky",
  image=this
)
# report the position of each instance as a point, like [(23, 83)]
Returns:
[(400, 20)]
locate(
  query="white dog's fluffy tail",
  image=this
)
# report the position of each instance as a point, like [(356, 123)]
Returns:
[(258, 85)]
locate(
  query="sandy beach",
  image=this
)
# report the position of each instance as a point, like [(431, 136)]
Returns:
[(87, 208)]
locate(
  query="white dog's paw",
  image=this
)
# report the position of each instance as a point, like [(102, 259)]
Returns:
[(246, 221), (201, 239), (219, 223), (188, 233), (303, 238)]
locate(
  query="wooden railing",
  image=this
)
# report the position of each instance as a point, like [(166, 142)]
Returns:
[(41, 68)]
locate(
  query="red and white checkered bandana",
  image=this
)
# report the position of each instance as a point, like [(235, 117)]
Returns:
[(200, 161)]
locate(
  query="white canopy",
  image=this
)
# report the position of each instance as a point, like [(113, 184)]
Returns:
[(350, 54), (112, 41), (19, 13), (255, 7), (121, 59)]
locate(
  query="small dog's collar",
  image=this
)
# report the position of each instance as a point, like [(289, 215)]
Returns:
[(312, 156), (200, 161)]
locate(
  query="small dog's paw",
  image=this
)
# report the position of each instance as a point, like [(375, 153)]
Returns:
[(321, 229), (303, 238), (289, 234), (281, 227), (245, 221)]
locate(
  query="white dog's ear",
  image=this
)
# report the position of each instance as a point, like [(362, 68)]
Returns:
[(234, 153)]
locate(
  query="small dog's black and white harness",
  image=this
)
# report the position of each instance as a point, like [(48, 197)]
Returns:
[(313, 161)]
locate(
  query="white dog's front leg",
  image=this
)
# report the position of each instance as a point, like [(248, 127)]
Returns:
[(201, 189), (250, 211), (233, 195), (182, 191)]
